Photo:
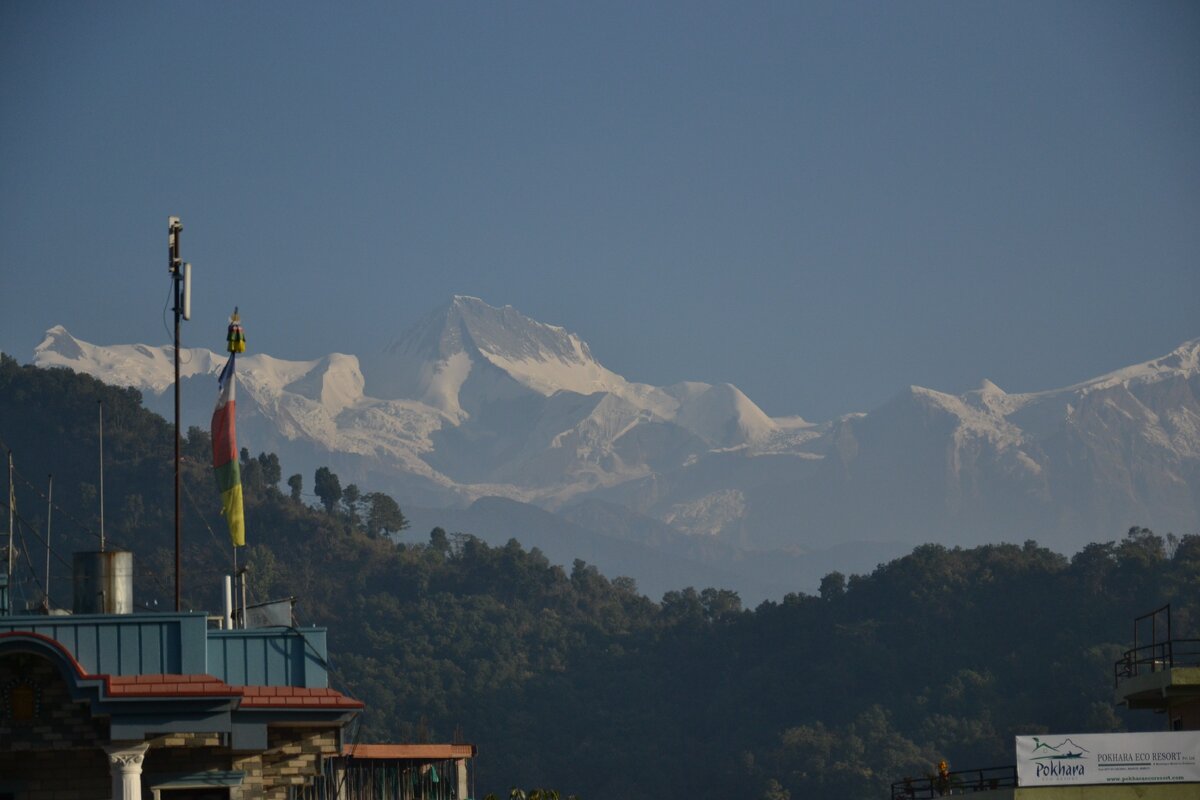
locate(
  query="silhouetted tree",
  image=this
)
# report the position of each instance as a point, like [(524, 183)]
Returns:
[(328, 488), (384, 515), (350, 498), (439, 541), (271, 471), (252, 473), (833, 586)]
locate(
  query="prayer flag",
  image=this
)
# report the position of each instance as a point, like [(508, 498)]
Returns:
[(225, 454)]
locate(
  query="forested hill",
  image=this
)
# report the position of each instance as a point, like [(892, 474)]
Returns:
[(569, 679)]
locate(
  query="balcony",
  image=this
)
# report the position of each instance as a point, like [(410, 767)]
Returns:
[(1163, 674), (998, 782)]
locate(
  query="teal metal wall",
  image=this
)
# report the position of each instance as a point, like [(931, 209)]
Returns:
[(175, 644), (269, 657)]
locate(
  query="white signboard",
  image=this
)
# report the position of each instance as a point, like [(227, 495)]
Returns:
[(1091, 758)]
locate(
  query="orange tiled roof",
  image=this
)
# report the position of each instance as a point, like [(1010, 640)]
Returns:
[(295, 697), (210, 686), (415, 751), (166, 686), (169, 685)]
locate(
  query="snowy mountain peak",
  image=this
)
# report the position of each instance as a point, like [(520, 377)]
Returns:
[(990, 397), (721, 413), (137, 365), (434, 359), (59, 342), (335, 381), (476, 401), (467, 324), (1185, 358)]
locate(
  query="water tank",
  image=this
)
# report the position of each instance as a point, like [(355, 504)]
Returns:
[(104, 582)]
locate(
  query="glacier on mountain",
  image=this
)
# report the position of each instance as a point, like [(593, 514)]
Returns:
[(476, 401)]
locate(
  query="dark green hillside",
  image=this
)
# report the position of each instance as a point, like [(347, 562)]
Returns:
[(565, 678)]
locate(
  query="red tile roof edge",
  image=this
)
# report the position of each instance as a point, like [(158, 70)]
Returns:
[(163, 686), (409, 751)]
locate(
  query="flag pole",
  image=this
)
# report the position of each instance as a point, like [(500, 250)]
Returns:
[(177, 269), (235, 572), (226, 458)]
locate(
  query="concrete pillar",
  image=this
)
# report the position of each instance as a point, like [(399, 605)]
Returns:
[(464, 790), (125, 763)]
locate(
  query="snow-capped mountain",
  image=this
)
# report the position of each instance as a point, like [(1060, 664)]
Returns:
[(476, 401)]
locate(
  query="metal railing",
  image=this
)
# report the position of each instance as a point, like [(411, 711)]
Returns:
[(967, 781), (1156, 658)]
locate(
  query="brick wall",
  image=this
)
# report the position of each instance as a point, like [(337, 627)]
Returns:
[(56, 775), (294, 756), (185, 753), (57, 721), (56, 754)]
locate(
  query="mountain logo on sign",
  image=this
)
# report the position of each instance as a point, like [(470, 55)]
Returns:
[(1055, 751)]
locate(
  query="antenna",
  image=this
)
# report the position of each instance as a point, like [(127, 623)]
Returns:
[(101, 404), (181, 282), (7, 609), (49, 511), (187, 291)]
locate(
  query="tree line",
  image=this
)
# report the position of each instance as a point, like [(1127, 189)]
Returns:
[(568, 678)]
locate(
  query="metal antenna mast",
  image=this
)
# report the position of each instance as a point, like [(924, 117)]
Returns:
[(181, 280), (100, 403), (8, 607), (49, 513)]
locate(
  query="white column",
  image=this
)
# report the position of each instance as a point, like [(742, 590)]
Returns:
[(464, 790), (125, 762)]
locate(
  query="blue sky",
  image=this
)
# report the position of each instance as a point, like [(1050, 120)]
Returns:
[(818, 202)]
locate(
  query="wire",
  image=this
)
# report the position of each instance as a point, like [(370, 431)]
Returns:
[(167, 302), (196, 510), (17, 516), (32, 571), (83, 526)]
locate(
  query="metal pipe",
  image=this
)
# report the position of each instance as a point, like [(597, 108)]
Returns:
[(177, 527), (49, 512), (228, 602), (8, 574), (243, 574), (174, 229), (100, 403)]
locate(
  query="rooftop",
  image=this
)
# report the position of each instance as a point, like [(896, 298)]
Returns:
[(181, 645)]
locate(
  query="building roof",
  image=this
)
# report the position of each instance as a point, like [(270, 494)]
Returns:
[(168, 686), (429, 752), (295, 697)]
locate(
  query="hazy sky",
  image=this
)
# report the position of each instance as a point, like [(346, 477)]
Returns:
[(818, 202)]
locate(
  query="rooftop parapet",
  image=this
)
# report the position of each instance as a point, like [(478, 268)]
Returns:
[(182, 644)]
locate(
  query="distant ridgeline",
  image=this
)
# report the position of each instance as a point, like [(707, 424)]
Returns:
[(476, 402), (564, 677)]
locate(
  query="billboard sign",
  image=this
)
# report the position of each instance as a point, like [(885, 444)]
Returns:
[(1095, 758)]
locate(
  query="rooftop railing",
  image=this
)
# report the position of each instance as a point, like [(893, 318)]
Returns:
[(967, 781), (1156, 657), (1162, 653)]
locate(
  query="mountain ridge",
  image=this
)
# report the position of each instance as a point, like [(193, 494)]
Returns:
[(476, 401)]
